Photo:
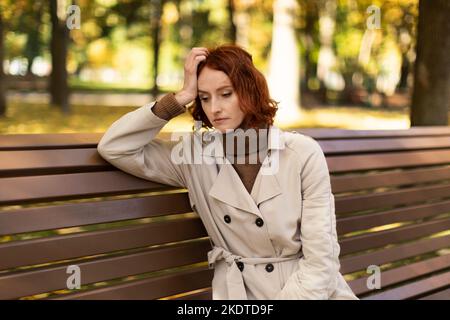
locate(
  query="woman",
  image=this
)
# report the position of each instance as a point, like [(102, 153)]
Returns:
[(270, 220)]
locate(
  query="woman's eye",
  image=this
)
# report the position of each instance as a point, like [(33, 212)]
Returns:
[(223, 95)]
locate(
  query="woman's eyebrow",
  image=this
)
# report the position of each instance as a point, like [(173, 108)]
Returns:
[(222, 87)]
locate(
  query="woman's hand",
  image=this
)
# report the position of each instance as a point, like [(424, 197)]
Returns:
[(189, 91)]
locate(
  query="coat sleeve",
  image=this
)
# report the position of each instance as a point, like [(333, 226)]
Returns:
[(318, 269), (130, 145)]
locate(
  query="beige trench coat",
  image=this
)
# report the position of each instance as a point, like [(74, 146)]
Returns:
[(279, 242)]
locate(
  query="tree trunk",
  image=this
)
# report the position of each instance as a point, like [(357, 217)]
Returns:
[(33, 46), (232, 31), (327, 59), (242, 25), (431, 95), (155, 22), (2, 75), (404, 73), (59, 89), (311, 16), (284, 63)]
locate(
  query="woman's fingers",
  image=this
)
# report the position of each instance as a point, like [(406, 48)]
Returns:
[(199, 51), (196, 55), (202, 57), (199, 55)]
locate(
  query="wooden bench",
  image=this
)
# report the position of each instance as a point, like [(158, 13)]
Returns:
[(61, 204)]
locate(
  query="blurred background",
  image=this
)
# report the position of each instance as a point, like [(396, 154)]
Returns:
[(77, 66)]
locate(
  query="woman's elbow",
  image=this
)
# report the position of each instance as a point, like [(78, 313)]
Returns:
[(102, 149)]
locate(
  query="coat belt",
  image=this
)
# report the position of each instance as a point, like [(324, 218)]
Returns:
[(234, 279)]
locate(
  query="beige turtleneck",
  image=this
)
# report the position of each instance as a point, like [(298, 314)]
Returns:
[(168, 107)]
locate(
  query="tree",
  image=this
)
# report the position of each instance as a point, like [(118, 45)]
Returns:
[(9, 13), (59, 89), (31, 22), (155, 25), (327, 58), (431, 95), (232, 31), (309, 35), (2, 75), (284, 62)]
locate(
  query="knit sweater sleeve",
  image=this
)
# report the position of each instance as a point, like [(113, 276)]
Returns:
[(168, 107)]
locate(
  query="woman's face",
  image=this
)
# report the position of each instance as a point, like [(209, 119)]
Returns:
[(219, 100)]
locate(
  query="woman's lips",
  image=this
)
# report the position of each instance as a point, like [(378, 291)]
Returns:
[(221, 120)]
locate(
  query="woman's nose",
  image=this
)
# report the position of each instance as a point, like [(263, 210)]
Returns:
[(215, 107)]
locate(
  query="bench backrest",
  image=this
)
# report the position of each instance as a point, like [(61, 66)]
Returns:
[(61, 205)]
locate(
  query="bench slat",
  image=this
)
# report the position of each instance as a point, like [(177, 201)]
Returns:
[(370, 201), (416, 131), (44, 141), (54, 277), (23, 190), (379, 257), (40, 162), (381, 238), (147, 289), (414, 289), (339, 164), (74, 140), (78, 214), (366, 221), (358, 182), (332, 147), (48, 141), (397, 275), (37, 251), (441, 295)]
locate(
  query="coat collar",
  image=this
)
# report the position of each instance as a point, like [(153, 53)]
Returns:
[(276, 141), (228, 187)]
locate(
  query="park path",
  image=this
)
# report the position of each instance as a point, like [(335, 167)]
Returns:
[(85, 98)]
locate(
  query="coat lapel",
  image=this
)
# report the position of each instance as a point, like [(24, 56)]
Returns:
[(228, 187), (265, 187)]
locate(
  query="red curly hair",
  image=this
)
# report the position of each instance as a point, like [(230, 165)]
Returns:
[(248, 82)]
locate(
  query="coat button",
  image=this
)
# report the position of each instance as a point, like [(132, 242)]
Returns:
[(259, 222), (227, 219), (269, 267), (240, 265)]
